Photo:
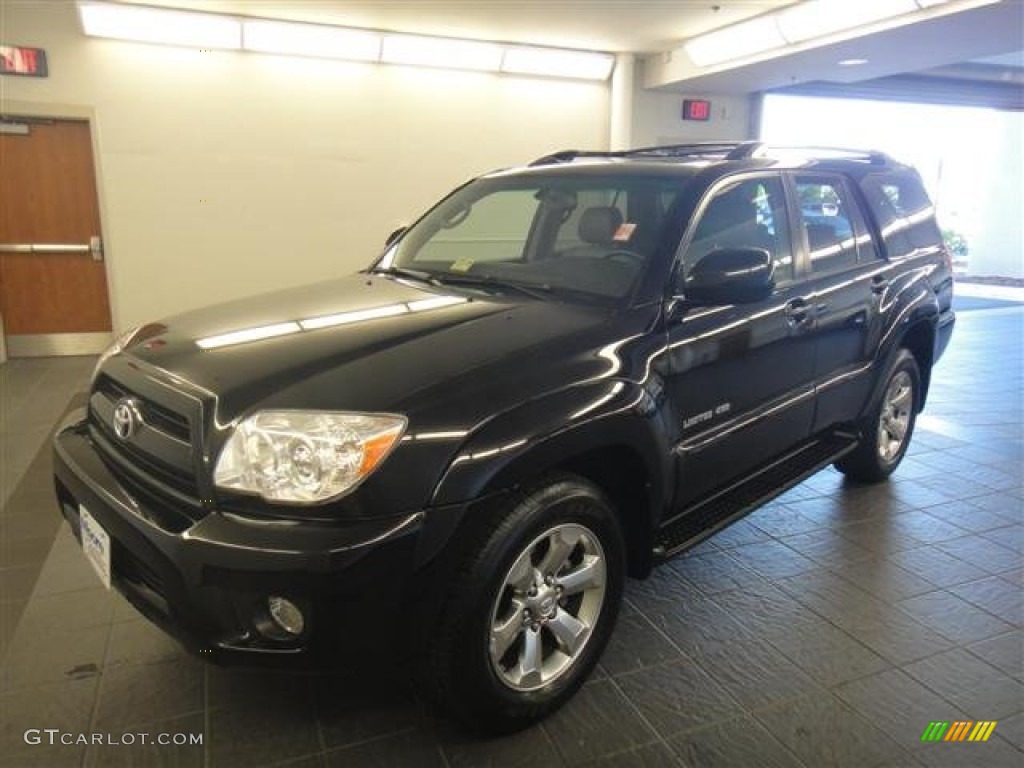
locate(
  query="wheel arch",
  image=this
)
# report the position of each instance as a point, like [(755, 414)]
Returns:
[(622, 456)]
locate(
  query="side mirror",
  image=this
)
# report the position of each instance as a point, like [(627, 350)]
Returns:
[(394, 236), (731, 276)]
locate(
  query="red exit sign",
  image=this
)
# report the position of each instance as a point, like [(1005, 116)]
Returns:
[(19, 60), (696, 109)]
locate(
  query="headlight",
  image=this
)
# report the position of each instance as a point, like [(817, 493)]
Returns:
[(305, 457), (118, 346)]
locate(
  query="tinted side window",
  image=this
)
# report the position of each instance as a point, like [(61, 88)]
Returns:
[(747, 214), (905, 215), (826, 214)]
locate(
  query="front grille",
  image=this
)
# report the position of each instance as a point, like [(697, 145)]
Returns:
[(160, 456), (167, 421), (126, 457)]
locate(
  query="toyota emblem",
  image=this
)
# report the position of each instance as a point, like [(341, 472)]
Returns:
[(126, 418)]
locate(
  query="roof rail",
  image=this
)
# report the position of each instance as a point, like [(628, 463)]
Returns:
[(568, 155), (873, 156), (726, 150)]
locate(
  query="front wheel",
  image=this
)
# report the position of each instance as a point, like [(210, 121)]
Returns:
[(532, 607), (889, 425)]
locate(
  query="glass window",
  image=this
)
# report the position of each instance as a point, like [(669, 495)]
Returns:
[(905, 215), (746, 214), (567, 233), (489, 230), (825, 214)]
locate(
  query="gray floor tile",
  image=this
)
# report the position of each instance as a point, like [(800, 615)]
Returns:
[(756, 673), (406, 748), (980, 690), (953, 618), (350, 712), (137, 695), (596, 722), (822, 731), (636, 644), (742, 741), (1005, 653), (527, 749), (263, 732), (678, 697)]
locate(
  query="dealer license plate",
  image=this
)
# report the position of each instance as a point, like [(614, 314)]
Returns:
[(96, 545)]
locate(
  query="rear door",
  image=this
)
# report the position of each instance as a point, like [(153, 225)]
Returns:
[(848, 279), (53, 285), (741, 376)]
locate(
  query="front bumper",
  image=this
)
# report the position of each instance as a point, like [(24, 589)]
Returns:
[(208, 584)]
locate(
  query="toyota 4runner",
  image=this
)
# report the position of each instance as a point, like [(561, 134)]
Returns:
[(560, 375)]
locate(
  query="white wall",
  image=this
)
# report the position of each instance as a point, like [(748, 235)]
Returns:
[(228, 174), (996, 243), (657, 117)]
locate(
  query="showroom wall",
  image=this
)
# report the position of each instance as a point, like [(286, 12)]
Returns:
[(226, 174), (657, 120)]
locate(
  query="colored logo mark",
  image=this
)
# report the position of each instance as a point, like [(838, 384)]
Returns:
[(958, 730)]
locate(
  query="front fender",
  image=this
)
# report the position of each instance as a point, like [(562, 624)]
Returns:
[(537, 436)]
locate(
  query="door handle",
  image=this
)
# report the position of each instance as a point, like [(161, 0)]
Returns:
[(45, 248), (879, 283), (797, 312)]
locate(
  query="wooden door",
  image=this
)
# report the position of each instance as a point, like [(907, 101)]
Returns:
[(53, 286)]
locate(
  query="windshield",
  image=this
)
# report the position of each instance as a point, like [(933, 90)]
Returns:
[(586, 236)]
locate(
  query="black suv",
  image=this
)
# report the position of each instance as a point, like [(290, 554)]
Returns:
[(560, 375)]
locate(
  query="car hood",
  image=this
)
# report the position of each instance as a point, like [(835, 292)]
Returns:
[(379, 343)]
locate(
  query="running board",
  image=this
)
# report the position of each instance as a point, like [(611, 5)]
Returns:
[(708, 517)]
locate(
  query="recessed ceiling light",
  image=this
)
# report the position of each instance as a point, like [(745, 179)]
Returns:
[(852, 62)]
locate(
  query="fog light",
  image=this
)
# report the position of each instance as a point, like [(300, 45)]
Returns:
[(286, 615)]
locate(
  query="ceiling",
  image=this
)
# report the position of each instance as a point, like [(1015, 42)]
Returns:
[(606, 25), (992, 34)]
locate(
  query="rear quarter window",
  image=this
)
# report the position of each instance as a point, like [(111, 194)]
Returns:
[(903, 212)]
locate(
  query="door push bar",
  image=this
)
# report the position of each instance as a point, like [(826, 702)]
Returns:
[(94, 248)]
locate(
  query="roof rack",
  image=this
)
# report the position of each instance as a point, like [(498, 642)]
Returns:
[(873, 156), (734, 150), (728, 150)]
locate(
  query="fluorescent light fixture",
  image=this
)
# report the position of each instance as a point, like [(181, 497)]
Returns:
[(193, 29), (441, 52), (930, 3), (549, 62), (248, 334), (817, 18), (344, 318), (310, 40), (739, 40), (160, 25), (852, 62)]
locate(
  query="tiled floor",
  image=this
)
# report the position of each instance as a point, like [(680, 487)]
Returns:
[(828, 628)]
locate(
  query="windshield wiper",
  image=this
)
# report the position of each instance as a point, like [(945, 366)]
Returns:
[(534, 290), (413, 274)]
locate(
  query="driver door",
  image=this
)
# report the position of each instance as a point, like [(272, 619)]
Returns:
[(741, 377)]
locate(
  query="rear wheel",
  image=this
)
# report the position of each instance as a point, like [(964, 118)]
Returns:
[(531, 609), (889, 425)]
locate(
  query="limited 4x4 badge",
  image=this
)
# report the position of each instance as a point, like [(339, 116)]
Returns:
[(719, 410)]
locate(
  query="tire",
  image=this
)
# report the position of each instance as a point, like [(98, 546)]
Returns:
[(530, 609), (888, 426)]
